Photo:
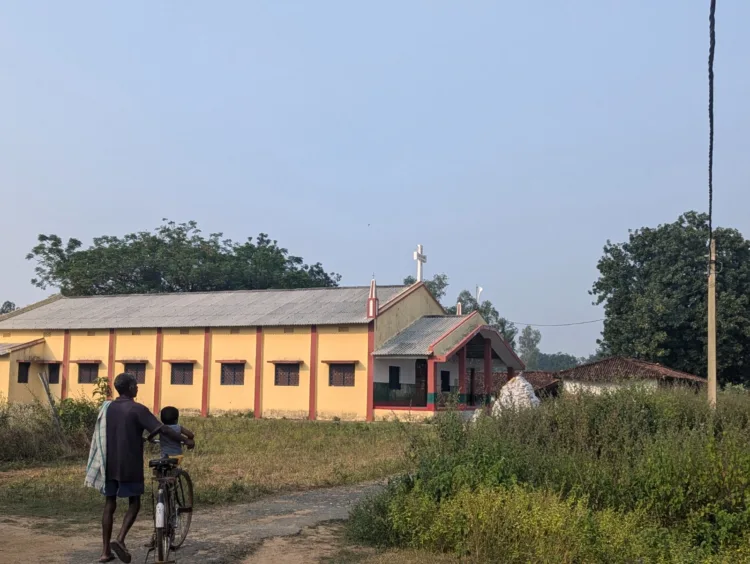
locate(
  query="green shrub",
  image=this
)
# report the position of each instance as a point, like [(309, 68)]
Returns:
[(661, 456)]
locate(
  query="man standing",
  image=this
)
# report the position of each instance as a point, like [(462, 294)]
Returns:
[(126, 421)]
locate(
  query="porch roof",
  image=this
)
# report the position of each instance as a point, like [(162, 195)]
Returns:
[(441, 336), (416, 339), (7, 348)]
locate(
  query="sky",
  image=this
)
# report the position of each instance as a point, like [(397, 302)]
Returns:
[(511, 139)]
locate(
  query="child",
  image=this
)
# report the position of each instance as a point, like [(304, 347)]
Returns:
[(169, 417)]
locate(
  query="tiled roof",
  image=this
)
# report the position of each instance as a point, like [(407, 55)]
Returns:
[(619, 368), (417, 337), (313, 306), (539, 379)]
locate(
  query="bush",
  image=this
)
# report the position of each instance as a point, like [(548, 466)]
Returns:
[(28, 431), (627, 457)]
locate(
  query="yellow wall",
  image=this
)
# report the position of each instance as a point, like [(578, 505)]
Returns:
[(4, 378), (33, 389), (184, 347), (85, 347), (286, 401), (225, 346), (405, 312), (138, 347), (344, 402)]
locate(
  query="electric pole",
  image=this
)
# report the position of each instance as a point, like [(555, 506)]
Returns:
[(712, 325)]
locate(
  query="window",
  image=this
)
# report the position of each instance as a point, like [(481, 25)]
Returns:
[(445, 381), (137, 369), (394, 377), (232, 374), (53, 373), (88, 373), (341, 374), (23, 372), (182, 374), (287, 375)]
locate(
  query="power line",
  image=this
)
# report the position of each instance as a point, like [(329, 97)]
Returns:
[(557, 324)]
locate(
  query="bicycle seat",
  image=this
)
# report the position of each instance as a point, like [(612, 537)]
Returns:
[(163, 463)]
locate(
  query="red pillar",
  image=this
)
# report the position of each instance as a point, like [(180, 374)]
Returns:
[(158, 369), (258, 370), (370, 408), (487, 370), (313, 409), (462, 376), (431, 395), (65, 365), (206, 371), (111, 362)]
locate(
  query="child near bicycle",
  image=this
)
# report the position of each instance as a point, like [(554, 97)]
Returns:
[(170, 417)]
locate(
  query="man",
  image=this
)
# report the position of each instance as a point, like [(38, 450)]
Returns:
[(126, 422)]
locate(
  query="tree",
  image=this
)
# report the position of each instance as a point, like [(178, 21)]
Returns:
[(438, 287), (173, 258), (7, 307), (653, 288), (528, 347), (557, 361)]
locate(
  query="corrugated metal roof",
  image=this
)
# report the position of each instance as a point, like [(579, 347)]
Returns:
[(417, 337), (313, 306), (7, 348)]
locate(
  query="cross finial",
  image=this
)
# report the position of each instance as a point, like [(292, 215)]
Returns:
[(421, 258)]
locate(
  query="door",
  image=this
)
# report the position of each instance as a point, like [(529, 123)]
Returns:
[(420, 382)]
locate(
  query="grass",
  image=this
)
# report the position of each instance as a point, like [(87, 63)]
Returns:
[(237, 459), (614, 478)]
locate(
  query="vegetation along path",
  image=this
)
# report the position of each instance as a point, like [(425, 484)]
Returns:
[(221, 535)]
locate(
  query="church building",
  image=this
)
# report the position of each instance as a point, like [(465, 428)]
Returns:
[(354, 353)]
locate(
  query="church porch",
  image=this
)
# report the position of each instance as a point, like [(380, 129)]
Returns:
[(440, 361)]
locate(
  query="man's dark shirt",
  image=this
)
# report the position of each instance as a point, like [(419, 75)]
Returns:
[(126, 422)]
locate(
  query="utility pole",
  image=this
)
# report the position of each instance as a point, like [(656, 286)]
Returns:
[(712, 325)]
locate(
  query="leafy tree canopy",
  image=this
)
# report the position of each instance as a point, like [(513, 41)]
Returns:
[(534, 359), (438, 287), (7, 307), (653, 288), (173, 258)]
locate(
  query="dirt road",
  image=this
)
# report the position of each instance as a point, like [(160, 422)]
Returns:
[(227, 535)]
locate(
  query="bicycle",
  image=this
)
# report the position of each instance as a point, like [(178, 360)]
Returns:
[(172, 505)]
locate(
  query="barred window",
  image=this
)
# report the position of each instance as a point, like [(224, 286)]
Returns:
[(137, 369), (23, 372), (232, 374), (53, 373), (88, 373), (341, 374), (182, 374), (287, 375)]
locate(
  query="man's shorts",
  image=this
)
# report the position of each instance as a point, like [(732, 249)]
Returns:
[(114, 488)]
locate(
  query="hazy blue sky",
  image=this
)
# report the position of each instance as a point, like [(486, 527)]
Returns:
[(511, 139)]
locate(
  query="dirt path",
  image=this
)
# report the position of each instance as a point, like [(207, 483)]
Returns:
[(224, 535)]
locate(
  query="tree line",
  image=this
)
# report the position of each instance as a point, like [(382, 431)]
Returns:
[(652, 286)]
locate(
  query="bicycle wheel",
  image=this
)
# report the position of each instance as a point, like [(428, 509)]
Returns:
[(183, 507), (162, 545)]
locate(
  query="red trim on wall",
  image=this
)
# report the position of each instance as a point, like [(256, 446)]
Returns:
[(370, 369), (157, 369), (65, 365), (206, 370), (258, 369), (313, 371), (111, 361)]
